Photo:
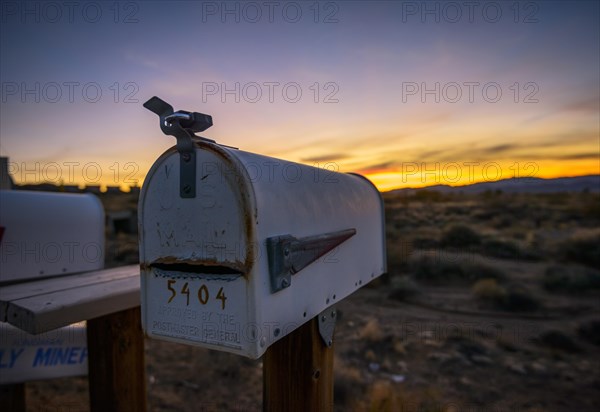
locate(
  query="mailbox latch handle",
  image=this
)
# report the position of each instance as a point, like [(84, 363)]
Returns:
[(289, 255), (182, 125)]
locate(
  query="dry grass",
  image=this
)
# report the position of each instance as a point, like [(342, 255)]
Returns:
[(460, 236), (448, 269), (379, 340), (582, 247), (488, 290), (403, 288), (520, 299), (571, 279), (386, 396), (348, 385), (371, 332)]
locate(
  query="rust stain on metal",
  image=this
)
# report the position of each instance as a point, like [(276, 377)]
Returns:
[(244, 197), (199, 264)]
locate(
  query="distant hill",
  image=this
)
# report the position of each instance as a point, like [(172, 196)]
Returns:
[(519, 185)]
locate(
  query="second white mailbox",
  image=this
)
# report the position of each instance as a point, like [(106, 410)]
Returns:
[(263, 246)]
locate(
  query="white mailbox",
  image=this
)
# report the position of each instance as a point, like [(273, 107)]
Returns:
[(241, 249), (46, 234)]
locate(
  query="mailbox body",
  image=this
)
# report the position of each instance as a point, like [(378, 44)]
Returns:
[(204, 260), (48, 234)]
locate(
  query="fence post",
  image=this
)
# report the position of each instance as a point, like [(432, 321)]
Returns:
[(298, 372), (12, 397), (117, 375)]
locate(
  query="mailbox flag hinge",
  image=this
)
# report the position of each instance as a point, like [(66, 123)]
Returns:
[(289, 255), (182, 125)]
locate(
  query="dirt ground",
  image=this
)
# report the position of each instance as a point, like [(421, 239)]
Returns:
[(491, 303)]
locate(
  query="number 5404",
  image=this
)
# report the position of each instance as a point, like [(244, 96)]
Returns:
[(202, 294)]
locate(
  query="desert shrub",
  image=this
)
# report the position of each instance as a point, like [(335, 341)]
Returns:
[(424, 242), (491, 194), (371, 332), (347, 384), (425, 195), (591, 206), (504, 249), (519, 233), (502, 222), (557, 340), (441, 270), (513, 298), (483, 214), (398, 253), (476, 271), (532, 253), (431, 269), (385, 396), (403, 288), (421, 242), (520, 299), (582, 248), (590, 331), (488, 290), (460, 236), (401, 223), (571, 279), (457, 210)]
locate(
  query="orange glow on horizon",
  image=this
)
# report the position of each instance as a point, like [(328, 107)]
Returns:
[(407, 175), (416, 176)]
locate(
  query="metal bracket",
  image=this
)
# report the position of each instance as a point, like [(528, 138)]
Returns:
[(288, 255), (327, 320), (182, 125)]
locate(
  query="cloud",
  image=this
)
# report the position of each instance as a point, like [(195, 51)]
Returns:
[(591, 105), (378, 167), (500, 148), (575, 145), (578, 156), (585, 105), (325, 158), (431, 153)]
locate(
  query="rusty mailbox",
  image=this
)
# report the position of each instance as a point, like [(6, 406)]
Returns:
[(238, 249)]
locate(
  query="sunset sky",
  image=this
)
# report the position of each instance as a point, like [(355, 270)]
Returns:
[(406, 93)]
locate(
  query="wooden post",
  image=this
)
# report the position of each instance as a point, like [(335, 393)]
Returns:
[(12, 397), (117, 375), (298, 372)]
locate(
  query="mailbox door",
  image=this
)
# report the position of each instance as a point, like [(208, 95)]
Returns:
[(197, 253)]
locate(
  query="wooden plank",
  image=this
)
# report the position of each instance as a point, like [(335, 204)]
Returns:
[(49, 311), (42, 287), (117, 379), (298, 372)]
